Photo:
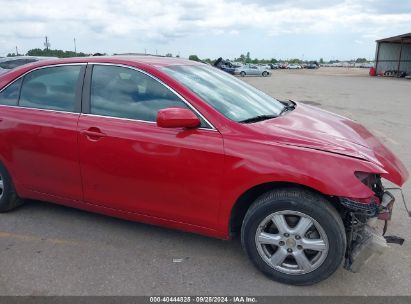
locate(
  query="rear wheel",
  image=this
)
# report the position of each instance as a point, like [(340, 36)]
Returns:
[(265, 74), (242, 74), (8, 196), (294, 236)]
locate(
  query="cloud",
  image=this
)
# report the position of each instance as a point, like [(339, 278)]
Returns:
[(387, 7), (163, 21), (303, 4)]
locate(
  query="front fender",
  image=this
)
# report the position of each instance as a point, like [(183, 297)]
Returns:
[(332, 174)]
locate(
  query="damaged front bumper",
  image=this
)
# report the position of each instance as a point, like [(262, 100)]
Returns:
[(364, 247), (365, 239)]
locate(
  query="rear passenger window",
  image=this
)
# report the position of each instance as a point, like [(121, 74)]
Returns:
[(51, 88), (127, 93), (10, 95)]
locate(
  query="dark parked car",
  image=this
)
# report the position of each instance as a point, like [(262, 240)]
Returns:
[(312, 65), (225, 65), (273, 66), (228, 68)]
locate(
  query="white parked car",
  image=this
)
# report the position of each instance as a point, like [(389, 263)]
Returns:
[(251, 69), (294, 66)]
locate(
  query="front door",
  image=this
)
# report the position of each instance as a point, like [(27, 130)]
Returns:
[(131, 164)]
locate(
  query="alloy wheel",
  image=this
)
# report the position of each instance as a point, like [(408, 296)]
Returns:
[(291, 242)]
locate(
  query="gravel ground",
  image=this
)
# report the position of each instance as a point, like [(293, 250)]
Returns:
[(47, 249)]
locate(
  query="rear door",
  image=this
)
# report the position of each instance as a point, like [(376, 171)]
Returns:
[(131, 164), (39, 129)]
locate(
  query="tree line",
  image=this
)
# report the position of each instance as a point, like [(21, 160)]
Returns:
[(244, 58), (247, 59), (50, 53)]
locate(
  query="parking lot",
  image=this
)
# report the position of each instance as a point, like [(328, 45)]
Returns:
[(47, 249)]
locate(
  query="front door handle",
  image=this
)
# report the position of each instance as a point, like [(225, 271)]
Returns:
[(93, 133)]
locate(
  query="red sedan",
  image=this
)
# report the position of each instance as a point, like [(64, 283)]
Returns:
[(181, 144)]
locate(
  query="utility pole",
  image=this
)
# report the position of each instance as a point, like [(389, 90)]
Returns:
[(75, 46), (47, 43), (17, 51)]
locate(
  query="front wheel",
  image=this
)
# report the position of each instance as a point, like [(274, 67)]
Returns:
[(294, 236), (242, 74)]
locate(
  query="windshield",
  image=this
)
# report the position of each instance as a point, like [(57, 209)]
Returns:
[(232, 97)]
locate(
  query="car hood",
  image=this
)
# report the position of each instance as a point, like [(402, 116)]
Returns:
[(314, 128)]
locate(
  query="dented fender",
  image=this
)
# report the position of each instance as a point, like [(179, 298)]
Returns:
[(329, 173)]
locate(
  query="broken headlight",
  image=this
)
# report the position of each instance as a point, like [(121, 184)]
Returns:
[(369, 206), (372, 181)]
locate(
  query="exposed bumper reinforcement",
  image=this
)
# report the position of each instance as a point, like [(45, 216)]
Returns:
[(364, 241), (372, 245)]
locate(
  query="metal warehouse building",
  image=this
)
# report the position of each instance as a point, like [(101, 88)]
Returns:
[(393, 56)]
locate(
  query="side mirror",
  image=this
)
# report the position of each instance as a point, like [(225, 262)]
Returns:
[(177, 118)]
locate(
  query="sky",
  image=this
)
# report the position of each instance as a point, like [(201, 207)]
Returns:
[(305, 29)]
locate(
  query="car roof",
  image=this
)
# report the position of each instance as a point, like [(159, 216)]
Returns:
[(156, 61), (147, 62), (5, 59)]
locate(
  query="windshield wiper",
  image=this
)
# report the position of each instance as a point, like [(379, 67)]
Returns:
[(286, 109), (258, 118)]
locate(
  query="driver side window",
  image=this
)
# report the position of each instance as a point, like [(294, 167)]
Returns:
[(127, 93)]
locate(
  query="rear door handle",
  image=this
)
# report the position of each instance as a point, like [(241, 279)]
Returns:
[(93, 133)]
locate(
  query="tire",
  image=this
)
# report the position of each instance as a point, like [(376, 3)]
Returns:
[(242, 74), (8, 196), (265, 74), (280, 256)]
